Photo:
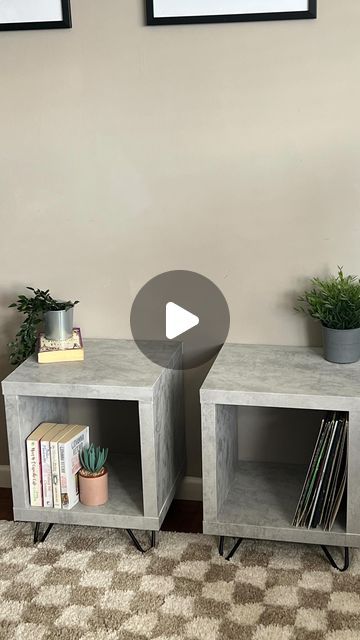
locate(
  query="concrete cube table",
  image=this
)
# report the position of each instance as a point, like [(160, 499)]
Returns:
[(257, 499), (142, 483)]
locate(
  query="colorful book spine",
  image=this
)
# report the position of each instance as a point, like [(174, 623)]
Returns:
[(46, 473), (70, 465), (33, 449), (47, 481), (34, 461), (55, 473)]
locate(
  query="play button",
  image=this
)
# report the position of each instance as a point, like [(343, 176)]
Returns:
[(178, 320), (180, 307)]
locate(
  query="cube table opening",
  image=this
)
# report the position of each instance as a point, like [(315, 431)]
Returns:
[(114, 424), (262, 457)]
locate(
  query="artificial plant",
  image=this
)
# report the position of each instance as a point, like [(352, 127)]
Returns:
[(33, 308), (334, 301), (93, 459)]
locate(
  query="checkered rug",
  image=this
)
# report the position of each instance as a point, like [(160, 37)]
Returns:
[(86, 583)]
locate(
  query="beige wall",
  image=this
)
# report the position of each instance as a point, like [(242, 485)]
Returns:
[(232, 150)]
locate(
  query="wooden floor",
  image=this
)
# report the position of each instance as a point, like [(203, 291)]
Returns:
[(5, 504), (183, 516)]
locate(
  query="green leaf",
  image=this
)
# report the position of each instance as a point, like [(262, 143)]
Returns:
[(93, 459), (335, 301), (33, 309)]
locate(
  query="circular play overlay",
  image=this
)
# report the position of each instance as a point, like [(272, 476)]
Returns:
[(180, 308)]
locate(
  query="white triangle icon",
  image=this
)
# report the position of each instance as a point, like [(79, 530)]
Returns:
[(178, 320)]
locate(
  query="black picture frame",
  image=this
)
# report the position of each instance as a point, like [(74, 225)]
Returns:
[(65, 23), (151, 20)]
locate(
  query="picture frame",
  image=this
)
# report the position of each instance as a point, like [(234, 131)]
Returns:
[(168, 12), (20, 15)]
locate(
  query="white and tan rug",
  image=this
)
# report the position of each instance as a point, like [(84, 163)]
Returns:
[(86, 583)]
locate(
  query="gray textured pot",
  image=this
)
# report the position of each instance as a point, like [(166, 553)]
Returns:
[(341, 345), (59, 324)]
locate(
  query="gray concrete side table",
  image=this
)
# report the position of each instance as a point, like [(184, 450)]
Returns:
[(255, 499), (143, 480)]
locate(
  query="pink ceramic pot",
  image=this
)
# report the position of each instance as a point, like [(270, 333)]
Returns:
[(93, 489)]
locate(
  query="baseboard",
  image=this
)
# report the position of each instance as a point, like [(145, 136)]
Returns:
[(5, 480), (165, 507), (190, 488)]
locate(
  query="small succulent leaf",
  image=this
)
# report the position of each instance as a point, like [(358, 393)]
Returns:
[(92, 458)]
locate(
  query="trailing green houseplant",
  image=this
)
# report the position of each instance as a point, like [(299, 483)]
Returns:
[(35, 309), (335, 303), (93, 476)]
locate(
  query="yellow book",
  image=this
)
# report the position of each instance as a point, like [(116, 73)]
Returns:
[(71, 350)]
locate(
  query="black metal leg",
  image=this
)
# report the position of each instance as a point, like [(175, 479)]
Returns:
[(234, 549), (135, 541), (221, 545), (36, 532), (37, 537), (153, 539), (332, 561), (46, 532)]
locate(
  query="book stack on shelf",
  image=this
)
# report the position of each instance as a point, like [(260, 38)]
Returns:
[(71, 350), (53, 464), (325, 482)]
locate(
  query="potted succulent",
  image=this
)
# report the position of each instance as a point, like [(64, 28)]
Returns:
[(40, 307), (335, 302), (93, 476)]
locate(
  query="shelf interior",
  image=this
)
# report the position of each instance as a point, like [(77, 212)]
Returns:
[(113, 424), (262, 457), (125, 488), (265, 494)]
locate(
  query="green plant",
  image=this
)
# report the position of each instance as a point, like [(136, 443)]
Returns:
[(33, 308), (334, 301), (93, 459)]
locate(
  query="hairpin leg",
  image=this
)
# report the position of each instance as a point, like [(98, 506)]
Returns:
[(137, 543), (221, 545), (46, 533), (37, 537), (332, 561), (36, 532), (233, 550), (153, 539)]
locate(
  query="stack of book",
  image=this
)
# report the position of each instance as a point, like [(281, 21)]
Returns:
[(53, 464), (71, 350), (325, 482)]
